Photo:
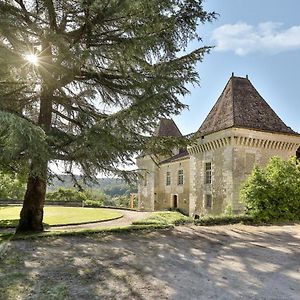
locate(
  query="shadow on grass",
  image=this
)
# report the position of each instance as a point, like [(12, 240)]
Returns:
[(13, 223), (9, 223)]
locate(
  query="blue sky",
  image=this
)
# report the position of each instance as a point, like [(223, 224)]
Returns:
[(260, 38)]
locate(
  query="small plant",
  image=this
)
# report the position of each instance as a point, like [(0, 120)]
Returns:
[(228, 210)]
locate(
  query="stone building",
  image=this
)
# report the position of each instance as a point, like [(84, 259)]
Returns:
[(240, 131)]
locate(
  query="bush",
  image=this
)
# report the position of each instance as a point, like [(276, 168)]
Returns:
[(273, 192), (224, 220), (93, 203), (109, 202), (121, 201), (89, 198), (66, 195)]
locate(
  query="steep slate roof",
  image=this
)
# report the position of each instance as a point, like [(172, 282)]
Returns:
[(240, 105), (167, 127), (181, 155)]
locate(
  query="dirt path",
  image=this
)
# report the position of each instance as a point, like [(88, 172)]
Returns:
[(221, 262), (128, 217)]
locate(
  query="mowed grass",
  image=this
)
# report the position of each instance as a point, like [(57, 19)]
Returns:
[(164, 218), (58, 215)]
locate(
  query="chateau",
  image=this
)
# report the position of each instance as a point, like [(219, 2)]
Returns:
[(240, 131)]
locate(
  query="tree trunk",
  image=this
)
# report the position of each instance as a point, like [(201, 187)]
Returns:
[(31, 216)]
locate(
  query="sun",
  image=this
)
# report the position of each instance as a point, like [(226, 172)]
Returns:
[(32, 58)]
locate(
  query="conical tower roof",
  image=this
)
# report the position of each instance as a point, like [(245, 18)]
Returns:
[(167, 127), (240, 105)]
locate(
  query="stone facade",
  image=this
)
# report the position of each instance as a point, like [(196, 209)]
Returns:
[(232, 153), (207, 178)]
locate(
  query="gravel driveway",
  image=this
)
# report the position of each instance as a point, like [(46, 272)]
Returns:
[(221, 262), (128, 217)]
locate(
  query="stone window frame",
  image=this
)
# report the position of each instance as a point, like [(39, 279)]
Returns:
[(168, 178), (208, 199), (180, 177), (208, 172)]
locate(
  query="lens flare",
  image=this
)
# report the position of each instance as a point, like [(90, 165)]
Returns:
[(32, 58)]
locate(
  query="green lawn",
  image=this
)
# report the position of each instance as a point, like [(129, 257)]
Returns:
[(58, 215), (164, 218)]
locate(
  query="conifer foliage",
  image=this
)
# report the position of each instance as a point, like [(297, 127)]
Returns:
[(85, 82)]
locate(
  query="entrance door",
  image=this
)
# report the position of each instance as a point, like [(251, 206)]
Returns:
[(175, 201)]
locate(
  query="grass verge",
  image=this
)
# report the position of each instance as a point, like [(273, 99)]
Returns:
[(85, 232), (243, 219), (165, 218)]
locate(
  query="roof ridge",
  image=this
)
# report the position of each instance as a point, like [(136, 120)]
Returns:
[(167, 127), (232, 98)]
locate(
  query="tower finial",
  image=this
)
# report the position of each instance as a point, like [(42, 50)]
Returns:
[(247, 77), (232, 74)]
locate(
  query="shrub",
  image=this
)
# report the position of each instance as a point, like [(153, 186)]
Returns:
[(224, 220), (273, 192), (121, 201), (93, 203), (66, 195), (109, 202)]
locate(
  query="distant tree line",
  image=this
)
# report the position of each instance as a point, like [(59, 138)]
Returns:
[(103, 192)]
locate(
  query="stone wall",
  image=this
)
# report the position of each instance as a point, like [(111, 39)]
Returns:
[(164, 194), (147, 183), (220, 188), (233, 153), (256, 148)]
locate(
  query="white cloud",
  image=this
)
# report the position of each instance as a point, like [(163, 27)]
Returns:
[(267, 37)]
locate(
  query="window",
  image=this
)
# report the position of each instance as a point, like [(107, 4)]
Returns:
[(168, 178), (180, 177), (208, 172), (208, 201)]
